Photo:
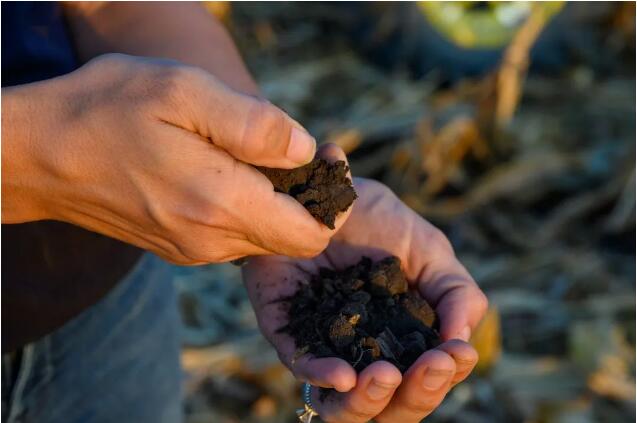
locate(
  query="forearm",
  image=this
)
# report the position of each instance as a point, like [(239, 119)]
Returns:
[(182, 31)]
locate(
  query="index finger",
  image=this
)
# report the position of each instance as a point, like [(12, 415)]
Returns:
[(303, 236)]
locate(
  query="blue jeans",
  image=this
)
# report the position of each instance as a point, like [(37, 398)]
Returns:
[(116, 362)]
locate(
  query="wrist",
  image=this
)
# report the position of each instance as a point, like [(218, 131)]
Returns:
[(28, 117)]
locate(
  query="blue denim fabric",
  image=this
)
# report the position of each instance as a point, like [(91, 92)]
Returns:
[(116, 362)]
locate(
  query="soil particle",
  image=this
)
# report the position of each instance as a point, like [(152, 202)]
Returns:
[(322, 187), (363, 314)]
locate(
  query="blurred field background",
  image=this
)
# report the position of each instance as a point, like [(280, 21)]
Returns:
[(512, 127)]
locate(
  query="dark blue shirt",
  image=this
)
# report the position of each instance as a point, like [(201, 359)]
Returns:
[(35, 42), (52, 270)]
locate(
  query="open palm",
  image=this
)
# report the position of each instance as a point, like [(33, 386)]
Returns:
[(379, 225)]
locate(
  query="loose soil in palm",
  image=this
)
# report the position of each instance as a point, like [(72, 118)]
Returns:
[(363, 314)]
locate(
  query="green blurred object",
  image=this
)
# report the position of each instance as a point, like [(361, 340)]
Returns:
[(488, 24)]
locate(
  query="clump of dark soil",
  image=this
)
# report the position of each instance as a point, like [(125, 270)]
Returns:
[(322, 187), (362, 314)]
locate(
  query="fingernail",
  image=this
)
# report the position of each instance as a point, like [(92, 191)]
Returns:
[(465, 334), (377, 390), (302, 146), (434, 379)]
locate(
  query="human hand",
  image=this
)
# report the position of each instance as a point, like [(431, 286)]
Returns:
[(154, 153), (380, 225)]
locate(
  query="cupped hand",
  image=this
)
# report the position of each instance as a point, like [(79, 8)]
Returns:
[(156, 154), (380, 225)]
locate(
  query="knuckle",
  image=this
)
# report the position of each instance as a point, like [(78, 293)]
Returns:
[(264, 129), (191, 255), (266, 238), (180, 252), (191, 245), (203, 212), (114, 72), (170, 81), (191, 229), (166, 84), (111, 60), (443, 358), (138, 81)]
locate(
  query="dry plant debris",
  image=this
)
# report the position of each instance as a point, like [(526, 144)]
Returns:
[(542, 213)]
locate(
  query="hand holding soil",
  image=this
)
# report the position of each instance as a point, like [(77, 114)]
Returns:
[(324, 188), (362, 314), (158, 155), (379, 226)]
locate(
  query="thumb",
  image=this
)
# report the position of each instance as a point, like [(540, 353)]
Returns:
[(250, 129)]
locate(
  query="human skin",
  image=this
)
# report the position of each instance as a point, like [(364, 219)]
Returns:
[(380, 225), (189, 122), (154, 153), (182, 32)]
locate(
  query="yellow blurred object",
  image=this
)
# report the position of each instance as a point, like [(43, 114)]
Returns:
[(601, 349), (486, 339), (612, 379), (220, 9), (515, 64), (492, 24), (264, 407), (348, 140), (266, 37), (442, 152)]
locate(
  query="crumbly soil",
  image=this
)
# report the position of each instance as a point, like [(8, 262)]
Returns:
[(322, 187), (363, 314)]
